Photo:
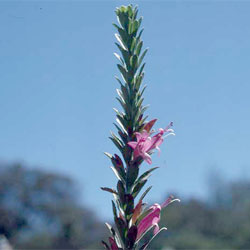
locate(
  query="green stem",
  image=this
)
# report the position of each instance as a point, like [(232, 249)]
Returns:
[(130, 98)]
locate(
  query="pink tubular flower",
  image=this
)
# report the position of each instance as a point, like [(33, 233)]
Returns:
[(144, 144), (153, 218)]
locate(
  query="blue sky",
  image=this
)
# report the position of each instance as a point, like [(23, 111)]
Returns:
[(58, 90)]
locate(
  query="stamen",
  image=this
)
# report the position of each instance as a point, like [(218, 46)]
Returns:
[(167, 135)]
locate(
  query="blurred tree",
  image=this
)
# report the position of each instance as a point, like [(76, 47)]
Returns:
[(221, 223), (41, 210)]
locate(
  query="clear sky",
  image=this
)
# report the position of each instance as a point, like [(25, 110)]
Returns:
[(58, 89)]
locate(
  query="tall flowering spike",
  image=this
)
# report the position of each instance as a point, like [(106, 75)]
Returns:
[(134, 140)]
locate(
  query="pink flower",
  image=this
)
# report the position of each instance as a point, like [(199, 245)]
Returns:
[(153, 218), (113, 244), (144, 144)]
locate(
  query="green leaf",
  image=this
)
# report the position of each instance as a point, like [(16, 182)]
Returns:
[(130, 26), (133, 44), (143, 120), (127, 153), (108, 155), (135, 13), (139, 81), (110, 190), (124, 36), (119, 92), (118, 161), (124, 106), (136, 120), (141, 69), (120, 116), (118, 167), (138, 48), (119, 58), (142, 56), (140, 102), (135, 27), (132, 175), (125, 54), (130, 10), (115, 25), (137, 188), (118, 143), (123, 8), (121, 192), (133, 62), (111, 229), (144, 108), (121, 227), (117, 174), (145, 193), (119, 129), (114, 209), (119, 39), (146, 175), (123, 71), (129, 205), (118, 80), (118, 204), (140, 33), (122, 19), (143, 89), (125, 93), (140, 21)]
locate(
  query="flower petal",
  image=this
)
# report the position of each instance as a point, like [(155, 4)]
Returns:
[(147, 158), (132, 144), (149, 125), (156, 229), (137, 211), (150, 220), (169, 200), (138, 136)]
